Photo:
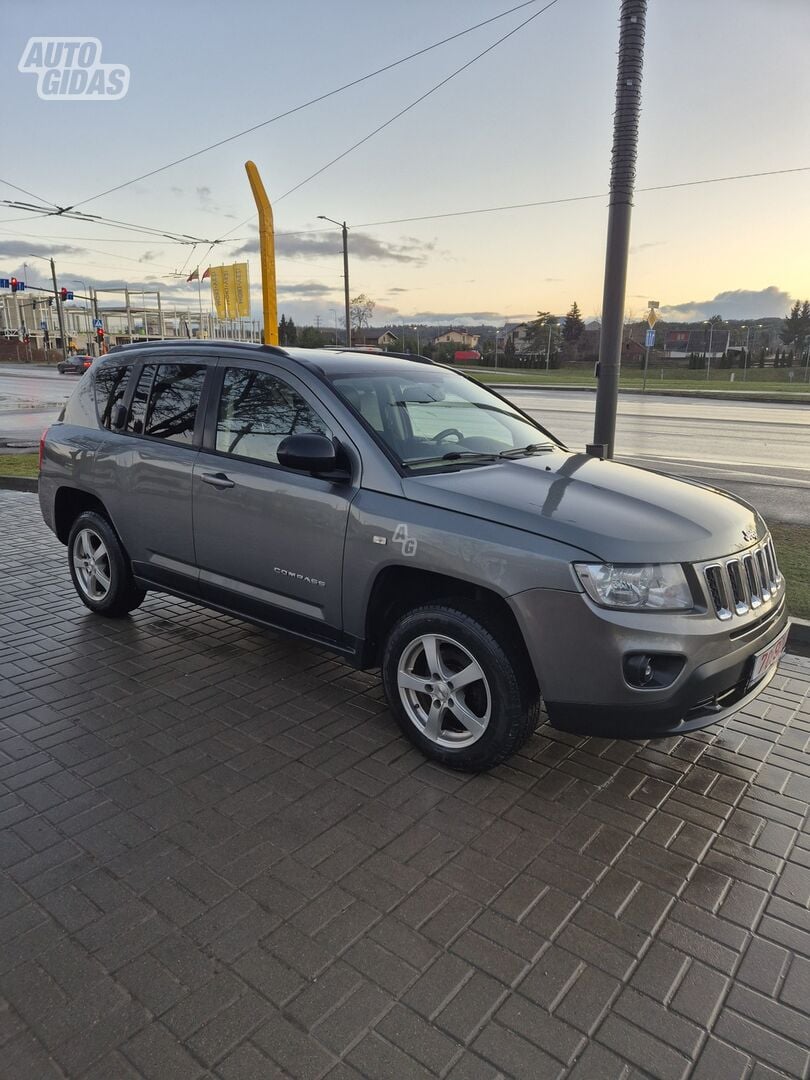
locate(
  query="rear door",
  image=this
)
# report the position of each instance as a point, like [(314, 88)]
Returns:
[(269, 540), (146, 471)]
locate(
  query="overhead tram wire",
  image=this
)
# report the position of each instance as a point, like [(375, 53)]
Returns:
[(418, 100), (579, 198), (45, 202), (396, 116), (312, 101)]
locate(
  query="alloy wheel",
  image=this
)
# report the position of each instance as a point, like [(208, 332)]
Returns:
[(91, 561), (444, 690)]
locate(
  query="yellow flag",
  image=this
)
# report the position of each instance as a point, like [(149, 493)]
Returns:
[(242, 289), (218, 291), (229, 289)]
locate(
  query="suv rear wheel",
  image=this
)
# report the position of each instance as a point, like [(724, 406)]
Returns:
[(457, 687), (99, 567)]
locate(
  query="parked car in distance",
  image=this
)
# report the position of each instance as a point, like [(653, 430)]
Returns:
[(408, 518), (74, 365)]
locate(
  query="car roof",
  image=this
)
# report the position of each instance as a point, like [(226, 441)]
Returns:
[(325, 361)]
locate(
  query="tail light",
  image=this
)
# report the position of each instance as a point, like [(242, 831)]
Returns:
[(42, 447)]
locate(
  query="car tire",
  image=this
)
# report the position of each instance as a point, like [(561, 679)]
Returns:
[(474, 726), (99, 567)]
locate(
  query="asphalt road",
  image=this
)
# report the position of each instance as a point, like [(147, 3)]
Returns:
[(759, 451)]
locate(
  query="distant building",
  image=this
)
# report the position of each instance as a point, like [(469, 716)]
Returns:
[(371, 338), (679, 344), (459, 338), (632, 350), (520, 336)]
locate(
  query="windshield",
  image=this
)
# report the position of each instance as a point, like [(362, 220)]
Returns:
[(428, 417)]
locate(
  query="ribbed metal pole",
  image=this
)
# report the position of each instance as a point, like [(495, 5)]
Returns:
[(622, 180)]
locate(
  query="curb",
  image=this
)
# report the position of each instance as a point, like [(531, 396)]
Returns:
[(19, 483), (717, 395)]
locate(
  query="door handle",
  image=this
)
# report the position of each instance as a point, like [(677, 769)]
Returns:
[(217, 480)]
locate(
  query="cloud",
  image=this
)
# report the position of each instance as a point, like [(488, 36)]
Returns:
[(148, 256), (361, 246), (442, 317), (18, 249), (304, 289), (732, 304), (636, 248)]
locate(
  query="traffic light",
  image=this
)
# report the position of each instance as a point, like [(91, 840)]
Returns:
[(63, 293), (99, 335), (14, 284)]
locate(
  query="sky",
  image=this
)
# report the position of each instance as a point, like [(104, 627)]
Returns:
[(726, 90)]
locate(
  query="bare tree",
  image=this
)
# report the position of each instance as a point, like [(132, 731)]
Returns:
[(361, 309)]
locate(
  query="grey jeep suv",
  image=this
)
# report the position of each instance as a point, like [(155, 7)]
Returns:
[(406, 517)]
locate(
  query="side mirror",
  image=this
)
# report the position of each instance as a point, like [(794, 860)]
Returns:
[(118, 417), (308, 451)]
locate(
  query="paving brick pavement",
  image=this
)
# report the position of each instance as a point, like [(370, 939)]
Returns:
[(219, 859)]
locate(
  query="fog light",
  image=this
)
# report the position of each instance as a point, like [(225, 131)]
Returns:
[(652, 671), (638, 670)]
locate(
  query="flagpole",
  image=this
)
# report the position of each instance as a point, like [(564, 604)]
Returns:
[(199, 299)]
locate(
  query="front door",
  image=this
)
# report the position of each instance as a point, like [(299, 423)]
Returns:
[(269, 540)]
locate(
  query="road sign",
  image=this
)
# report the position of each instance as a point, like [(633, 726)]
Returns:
[(97, 324), (649, 340), (43, 326), (652, 318), (5, 283)]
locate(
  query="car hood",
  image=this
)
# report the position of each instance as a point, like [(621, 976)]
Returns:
[(618, 513)]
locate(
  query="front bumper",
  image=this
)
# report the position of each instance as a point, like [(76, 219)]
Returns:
[(578, 652)]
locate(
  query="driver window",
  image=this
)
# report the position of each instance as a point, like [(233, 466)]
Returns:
[(258, 410)]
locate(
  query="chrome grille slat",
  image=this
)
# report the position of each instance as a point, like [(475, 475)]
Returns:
[(743, 583)]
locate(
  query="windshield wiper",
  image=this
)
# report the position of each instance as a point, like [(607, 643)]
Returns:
[(532, 448), (452, 455)]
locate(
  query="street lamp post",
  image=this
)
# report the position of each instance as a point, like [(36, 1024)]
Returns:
[(548, 347), (334, 316), (709, 355), (345, 230), (496, 348), (418, 343)]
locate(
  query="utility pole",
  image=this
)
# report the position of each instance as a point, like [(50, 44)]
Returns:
[(345, 232), (622, 179), (346, 285), (58, 300)]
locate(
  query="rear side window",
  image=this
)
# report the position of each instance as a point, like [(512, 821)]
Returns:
[(111, 385), (140, 399), (166, 400)]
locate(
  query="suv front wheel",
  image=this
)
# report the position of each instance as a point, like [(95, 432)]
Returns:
[(457, 686), (100, 568)]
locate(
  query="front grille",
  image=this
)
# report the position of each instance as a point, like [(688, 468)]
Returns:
[(743, 583)]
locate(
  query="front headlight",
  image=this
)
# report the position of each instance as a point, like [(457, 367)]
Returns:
[(652, 587)]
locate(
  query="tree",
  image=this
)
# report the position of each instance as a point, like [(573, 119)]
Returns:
[(282, 331), (574, 324), (311, 338), (544, 337), (292, 333), (361, 309), (791, 325)]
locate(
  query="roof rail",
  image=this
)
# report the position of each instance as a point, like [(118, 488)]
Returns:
[(372, 350), (204, 343)]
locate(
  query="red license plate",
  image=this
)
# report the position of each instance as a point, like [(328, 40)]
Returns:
[(766, 658)]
